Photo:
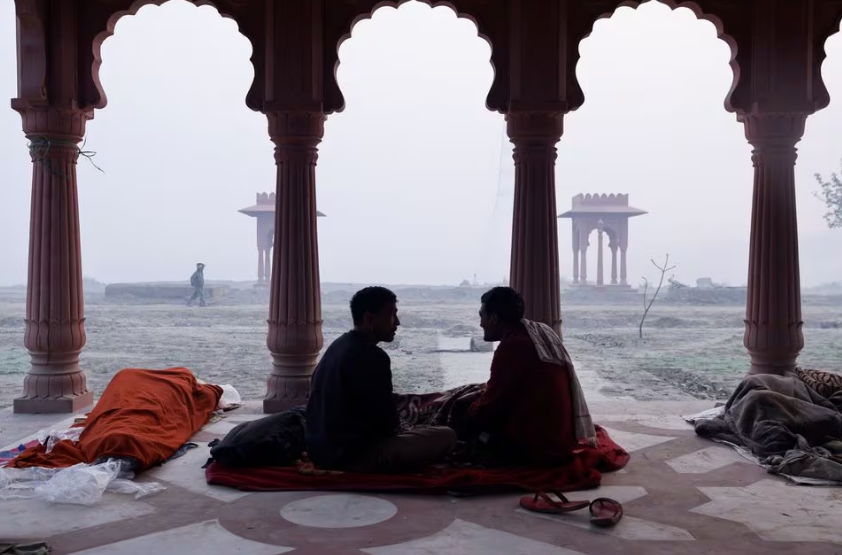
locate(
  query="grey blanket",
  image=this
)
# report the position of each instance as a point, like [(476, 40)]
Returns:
[(792, 429)]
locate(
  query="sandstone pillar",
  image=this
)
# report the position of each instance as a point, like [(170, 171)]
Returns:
[(583, 265), (623, 267), (600, 278), (773, 335), (613, 249), (55, 306), (295, 313), (534, 259), (575, 264), (261, 275), (267, 264)]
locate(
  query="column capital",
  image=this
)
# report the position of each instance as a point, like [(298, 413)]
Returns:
[(774, 133), (540, 126), (296, 127), (53, 123)]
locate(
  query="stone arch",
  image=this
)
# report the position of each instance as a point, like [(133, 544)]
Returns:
[(828, 25), (229, 9), (606, 9), (477, 12)]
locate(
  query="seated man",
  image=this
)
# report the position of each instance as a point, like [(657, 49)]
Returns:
[(532, 410), (352, 421)]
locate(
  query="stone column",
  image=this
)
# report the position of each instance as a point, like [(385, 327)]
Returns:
[(613, 249), (600, 279), (261, 276), (583, 265), (575, 264), (773, 335), (623, 276), (534, 260), (295, 313), (267, 264), (55, 306)]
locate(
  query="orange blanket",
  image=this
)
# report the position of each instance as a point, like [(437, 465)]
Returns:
[(143, 414)]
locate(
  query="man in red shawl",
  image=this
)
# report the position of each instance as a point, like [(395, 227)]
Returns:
[(533, 410)]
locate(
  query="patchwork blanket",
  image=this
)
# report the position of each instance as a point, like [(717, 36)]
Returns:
[(787, 424), (447, 408)]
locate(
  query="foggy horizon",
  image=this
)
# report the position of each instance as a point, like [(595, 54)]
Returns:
[(415, 176)]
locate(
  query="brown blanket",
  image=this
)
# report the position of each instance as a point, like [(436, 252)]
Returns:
[(144, 416)]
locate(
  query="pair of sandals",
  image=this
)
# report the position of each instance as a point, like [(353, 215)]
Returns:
[(605, 512)]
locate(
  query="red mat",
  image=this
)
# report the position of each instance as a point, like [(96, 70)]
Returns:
[(143, 414), (584, 472)]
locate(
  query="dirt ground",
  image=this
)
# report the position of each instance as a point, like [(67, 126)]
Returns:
[(687, 352)]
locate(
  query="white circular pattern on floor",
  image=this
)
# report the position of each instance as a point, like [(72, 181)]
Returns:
[(338, 511)]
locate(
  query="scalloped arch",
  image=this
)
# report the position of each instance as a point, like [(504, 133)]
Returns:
[(834, 28), (701, 15), (496, 99), (132, 10)]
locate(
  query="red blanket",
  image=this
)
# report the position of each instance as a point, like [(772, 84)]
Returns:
[(584, 472), (143, 415)]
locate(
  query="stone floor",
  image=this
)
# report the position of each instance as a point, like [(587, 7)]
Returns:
[(681, 495)]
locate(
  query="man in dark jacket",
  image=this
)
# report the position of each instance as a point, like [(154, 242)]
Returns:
[(197, 281), (352, 420)]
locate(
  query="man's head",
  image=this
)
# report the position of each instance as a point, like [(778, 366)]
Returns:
[(200, 266), (502, 309), (375, 313)]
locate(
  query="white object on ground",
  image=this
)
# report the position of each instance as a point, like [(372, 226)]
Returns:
[(81, 484), (49, 438), (230, 396), (708, 414)]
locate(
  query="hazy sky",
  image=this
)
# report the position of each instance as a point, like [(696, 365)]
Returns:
[(415, 176)]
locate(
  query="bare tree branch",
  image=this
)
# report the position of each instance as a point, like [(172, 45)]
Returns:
[(663, 269)]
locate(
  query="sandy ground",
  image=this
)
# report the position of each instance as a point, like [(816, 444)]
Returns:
[(688, 351)]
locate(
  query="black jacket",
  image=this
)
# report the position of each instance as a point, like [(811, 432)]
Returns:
[(351, 405)]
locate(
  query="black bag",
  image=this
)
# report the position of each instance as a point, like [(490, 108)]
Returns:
[(276, 440)]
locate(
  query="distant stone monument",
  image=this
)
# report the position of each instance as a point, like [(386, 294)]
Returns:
[(608, 215), (264, 212)]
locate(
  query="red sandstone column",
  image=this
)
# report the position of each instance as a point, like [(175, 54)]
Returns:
[(575, 264), (261, 276), (613, 249), (267, 265), (534, 262), (773, 322), (55, 307), (295, 314)]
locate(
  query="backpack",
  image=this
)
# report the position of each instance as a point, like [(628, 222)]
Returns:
[(275, 440)]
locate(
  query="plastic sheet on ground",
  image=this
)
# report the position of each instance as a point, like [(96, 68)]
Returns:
[(230, 397), (81, 484)]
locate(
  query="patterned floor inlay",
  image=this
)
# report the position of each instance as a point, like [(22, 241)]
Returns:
[(461, 538), (338, 511), (706, 460), (777, 511), (203, 537)]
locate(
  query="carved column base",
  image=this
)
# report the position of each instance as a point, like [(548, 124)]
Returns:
[(780, 365), (289, 383), (54, 384)]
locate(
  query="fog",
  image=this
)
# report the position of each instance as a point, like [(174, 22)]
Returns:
[(415, 176)]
